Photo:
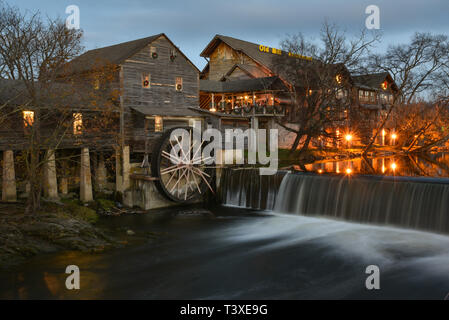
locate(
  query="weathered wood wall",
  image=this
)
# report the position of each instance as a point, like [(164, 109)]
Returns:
[(161, 97)]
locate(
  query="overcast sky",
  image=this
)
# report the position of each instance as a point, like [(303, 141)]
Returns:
[(191, 24)]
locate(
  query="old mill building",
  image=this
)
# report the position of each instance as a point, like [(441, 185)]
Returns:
[(143, 88)]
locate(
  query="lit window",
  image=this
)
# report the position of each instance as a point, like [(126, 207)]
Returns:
[(28, 118), (97, 84), (178, 84), (158, 124), (361, 93), (146, 80), (340, 93), (77, 123), (339, 78)]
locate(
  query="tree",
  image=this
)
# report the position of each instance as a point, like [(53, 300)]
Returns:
[(320, 87), (418, 68), (34, 53)]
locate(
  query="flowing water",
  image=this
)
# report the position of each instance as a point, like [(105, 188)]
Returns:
[(288, 236)]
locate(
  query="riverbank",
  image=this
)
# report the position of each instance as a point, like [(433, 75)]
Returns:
[(67, 225)]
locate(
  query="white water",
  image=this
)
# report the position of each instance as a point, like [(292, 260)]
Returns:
[(421, 204)]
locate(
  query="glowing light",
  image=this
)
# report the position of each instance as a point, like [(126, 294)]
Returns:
[(384, 85), (394, 136), (246, 97), (77, 123), (338, 78), (28, 118), (384, 169), (393, 166), (384, 133), (348, 137), (158, 124), (320, 171), (348, 171), (212, 109)]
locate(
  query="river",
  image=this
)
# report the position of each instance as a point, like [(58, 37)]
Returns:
[(233, 253)]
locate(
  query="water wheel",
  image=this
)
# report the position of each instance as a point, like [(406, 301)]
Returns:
[(177, 163)]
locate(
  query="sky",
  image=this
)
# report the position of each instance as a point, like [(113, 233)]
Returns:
[(191, 24)]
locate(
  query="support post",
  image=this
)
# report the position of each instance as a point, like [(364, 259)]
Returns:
[(100, 173), (127, 192), (118, 171), (85, 177), (64, 186), (126, 167), (123, 168), (50, 180), (9, 190)]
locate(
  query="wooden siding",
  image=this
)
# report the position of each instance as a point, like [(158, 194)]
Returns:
[(162, 93), (223, 59)]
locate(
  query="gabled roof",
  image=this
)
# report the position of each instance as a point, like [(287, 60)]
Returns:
[(373, 80), (248, 48), (13, 92), (257, 84), (250, 70), (115, 55)]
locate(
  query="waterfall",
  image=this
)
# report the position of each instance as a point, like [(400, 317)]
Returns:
[(246, 188), (418, 203)]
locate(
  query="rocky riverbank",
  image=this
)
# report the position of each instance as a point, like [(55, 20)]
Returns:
[(58, 226)]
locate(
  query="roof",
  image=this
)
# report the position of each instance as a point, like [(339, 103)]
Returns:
[(164, 111), (257, 84), (250, 70), (371, 81), (13, 92), (252, 50), (115, 54)]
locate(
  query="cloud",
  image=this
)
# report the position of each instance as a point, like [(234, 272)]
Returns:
[(192, 24)]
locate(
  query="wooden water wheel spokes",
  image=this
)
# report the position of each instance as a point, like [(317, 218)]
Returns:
[(179, 165)]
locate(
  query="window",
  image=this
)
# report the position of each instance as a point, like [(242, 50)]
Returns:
[(339, 78), (97, 84), (28, 118), (77, 123), (146, 80), (178, 85), (153, 52), (173, 55), (372, 97), (341, 93), (158, 124)]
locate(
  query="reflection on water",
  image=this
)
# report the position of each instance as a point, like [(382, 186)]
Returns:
[(232, 253), (50, 281), (429, 165)]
